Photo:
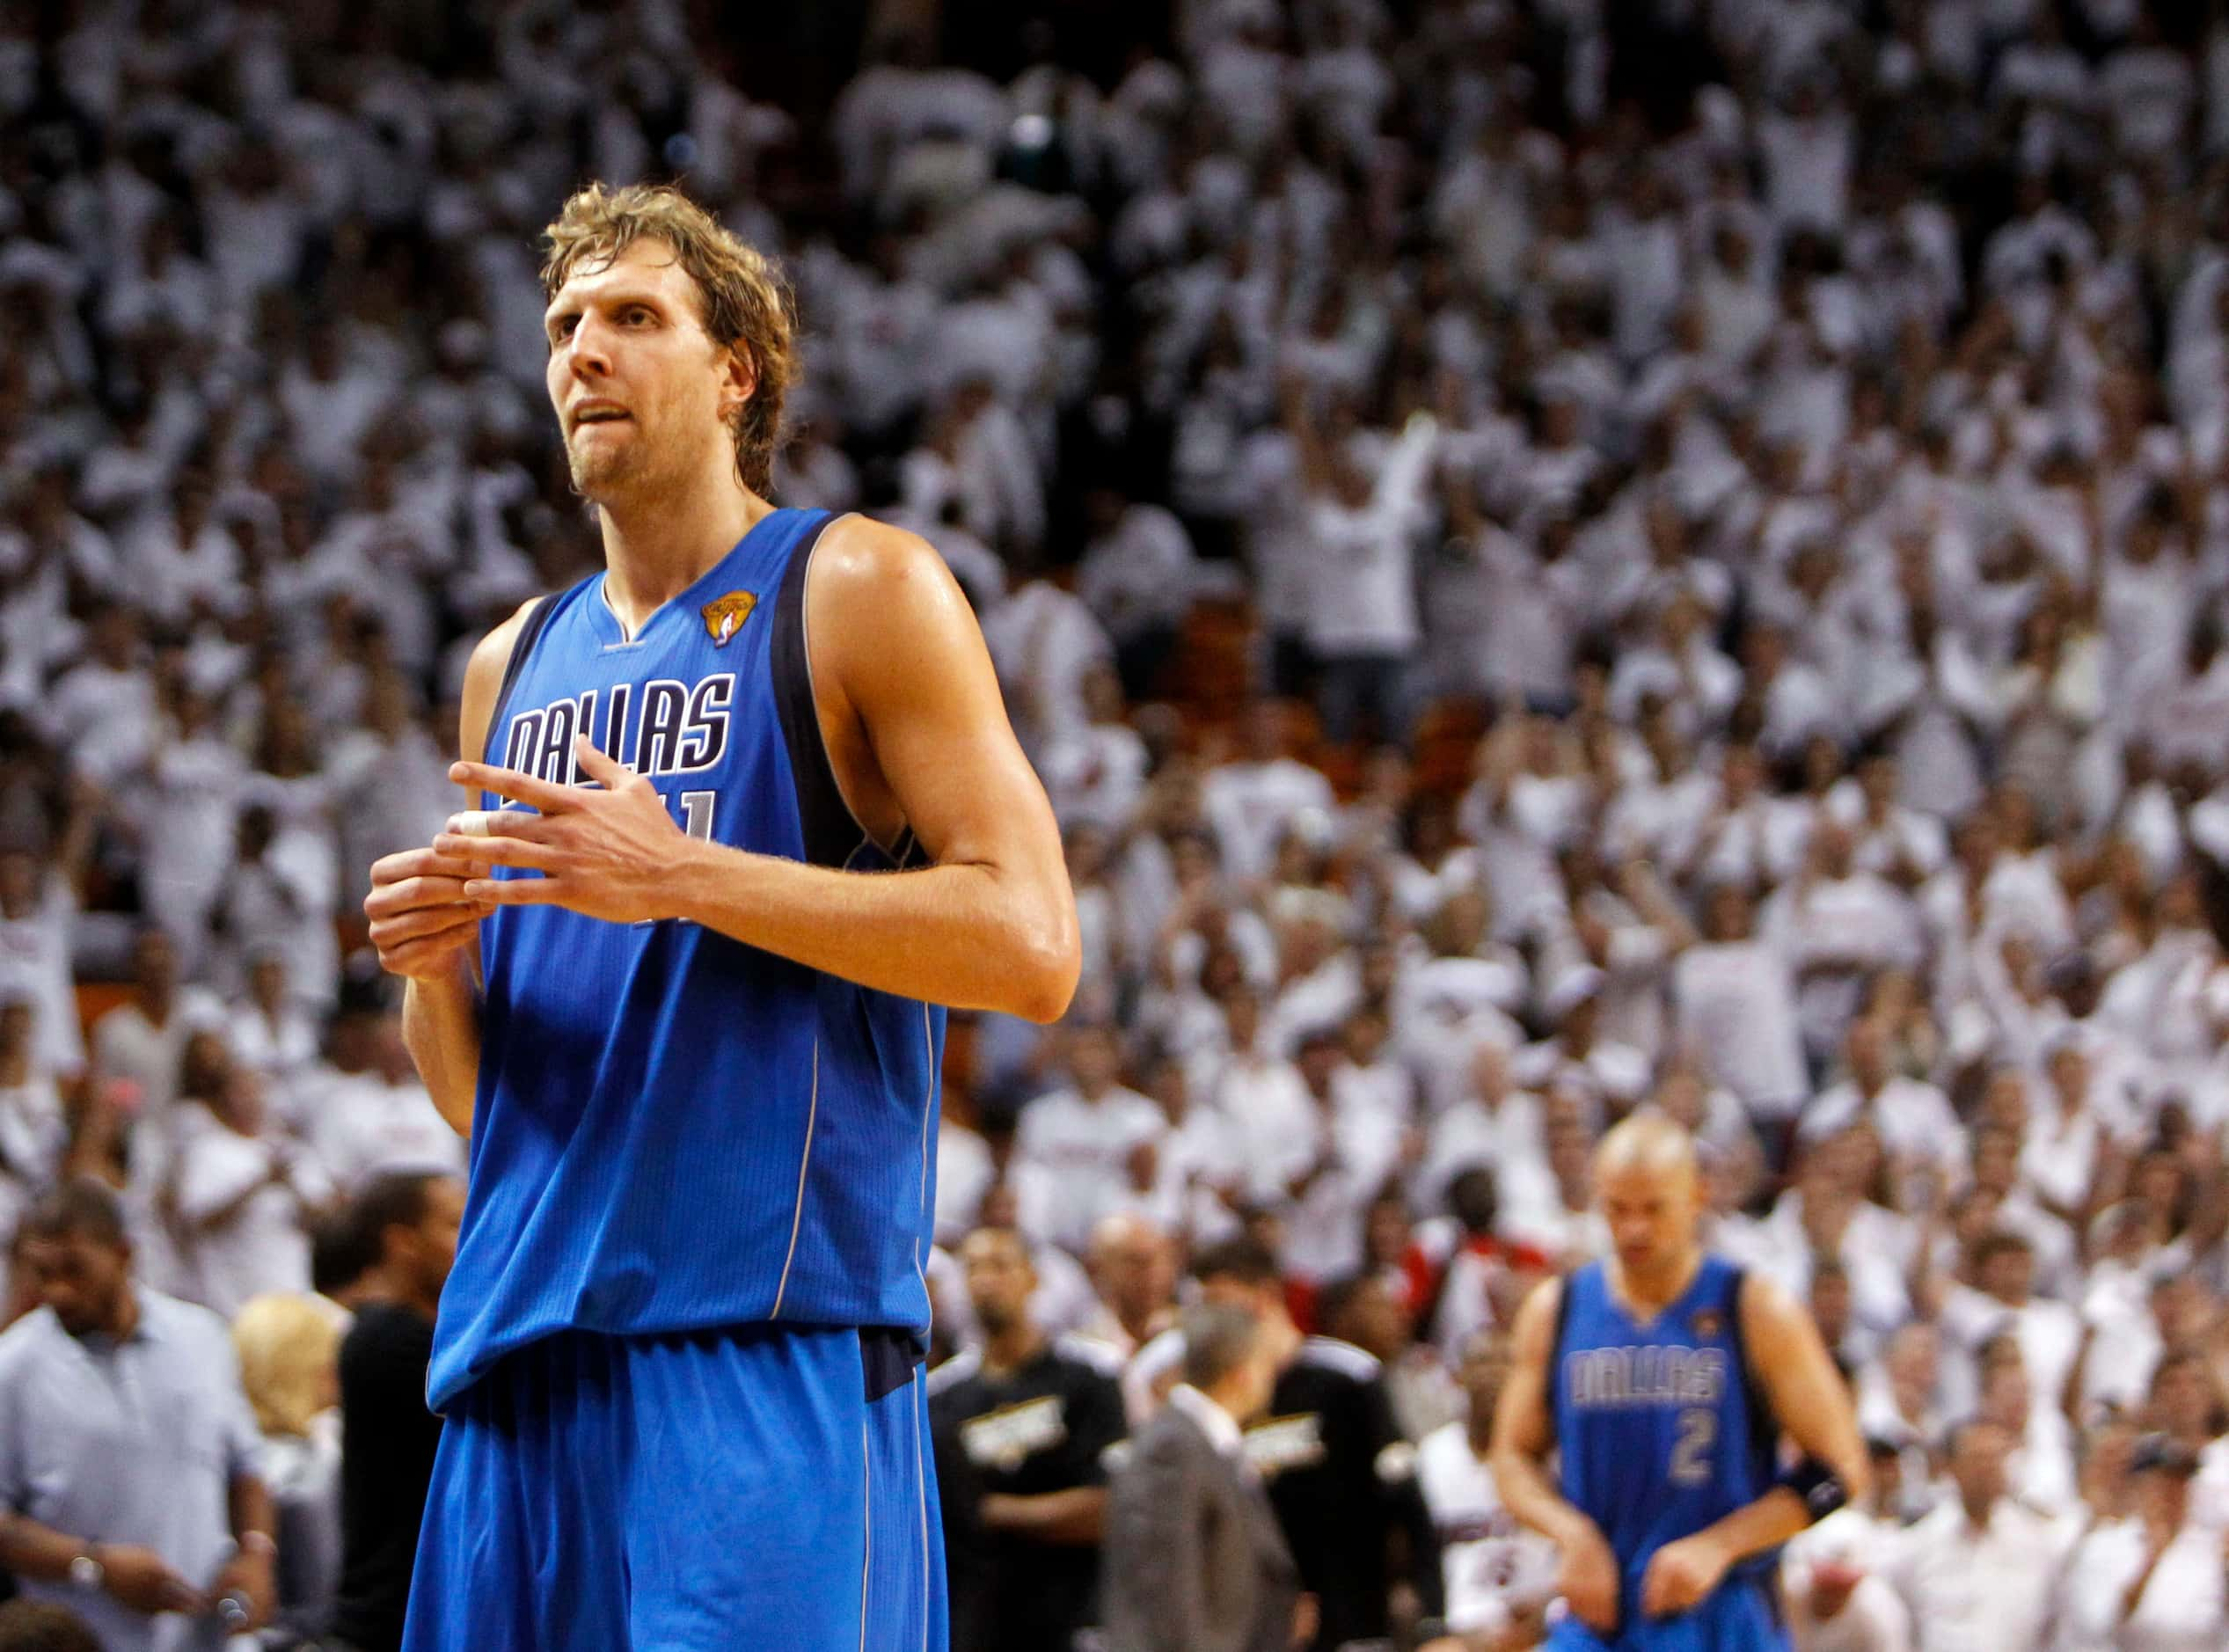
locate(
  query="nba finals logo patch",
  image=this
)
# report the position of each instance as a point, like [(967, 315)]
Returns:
[(724, 618), (1709, 1323)]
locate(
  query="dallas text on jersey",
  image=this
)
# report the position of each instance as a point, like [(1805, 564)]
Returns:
[(663, 727), (1650, 1376)]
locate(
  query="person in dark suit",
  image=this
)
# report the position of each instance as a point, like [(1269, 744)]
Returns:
[(1194, 1562)]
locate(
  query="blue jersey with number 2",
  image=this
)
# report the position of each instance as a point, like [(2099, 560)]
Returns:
[(1662, 1434), (675, 1131)]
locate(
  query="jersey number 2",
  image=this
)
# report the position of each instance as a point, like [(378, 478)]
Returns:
[(1690, 1462)]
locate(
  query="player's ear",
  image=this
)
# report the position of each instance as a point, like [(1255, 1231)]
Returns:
[(738, 380)]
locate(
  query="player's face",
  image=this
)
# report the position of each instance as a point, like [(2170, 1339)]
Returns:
[(1652, 1213), (638, 384)]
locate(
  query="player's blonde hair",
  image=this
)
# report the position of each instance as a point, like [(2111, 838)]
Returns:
[(747, 306), (288, 1346)]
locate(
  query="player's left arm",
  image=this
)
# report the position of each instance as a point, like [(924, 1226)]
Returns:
[(990, 926), (1811, 1404)]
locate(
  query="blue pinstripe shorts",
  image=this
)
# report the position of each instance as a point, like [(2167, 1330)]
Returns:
[(758, 1486)]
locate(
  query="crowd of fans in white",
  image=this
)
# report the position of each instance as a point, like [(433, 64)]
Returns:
[(1827, 497)]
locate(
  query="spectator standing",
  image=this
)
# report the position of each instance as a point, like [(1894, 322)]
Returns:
[(2153, 1581), (1500, 1578), (1970, 1572), (1831, 1575), (388, 1436), (366, 1112), (1081, 1139), (128, 1451), (1035, 1416), (33, 1130), (140, 1041), (1339, 1475), (1195, 1560), (246, 1196), (289, 1349)]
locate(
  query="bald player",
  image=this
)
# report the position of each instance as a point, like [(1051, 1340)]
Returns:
[(1664, 1378)]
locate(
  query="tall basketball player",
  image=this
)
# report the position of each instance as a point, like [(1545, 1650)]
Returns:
[(1664, 1377), (747, 812)]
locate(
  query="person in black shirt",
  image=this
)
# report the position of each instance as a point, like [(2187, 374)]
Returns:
[(387, 1435), (1340, 1474), (1032, 1417)]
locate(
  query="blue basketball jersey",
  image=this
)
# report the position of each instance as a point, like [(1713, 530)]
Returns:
[(1660, 1429), (675, 1131)]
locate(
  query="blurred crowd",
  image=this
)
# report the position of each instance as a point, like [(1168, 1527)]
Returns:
[(1554, 556)]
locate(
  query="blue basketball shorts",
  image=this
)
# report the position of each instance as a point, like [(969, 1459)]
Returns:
[(1739, 1616), (751, 1488)]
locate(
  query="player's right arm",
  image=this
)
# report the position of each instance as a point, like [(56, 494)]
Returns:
[(425, 929), (1524, 1435)]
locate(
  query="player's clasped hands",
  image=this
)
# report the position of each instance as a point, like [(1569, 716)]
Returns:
[(1680, 1574), (421, 919), (1589, 1582), (605, 850)]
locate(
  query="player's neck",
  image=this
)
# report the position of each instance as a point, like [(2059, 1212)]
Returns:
[(1649, 1294), (656, 546)]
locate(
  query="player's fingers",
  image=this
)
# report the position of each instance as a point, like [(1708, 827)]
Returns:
[(492, 822), (446, 937), (520, 788), (444, 891), (484, 852), (427, 920), (519, 891), (415, 863), (599, 765)]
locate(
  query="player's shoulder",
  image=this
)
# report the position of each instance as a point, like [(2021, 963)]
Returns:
[(491, 657), (858, 554), (1761, 1300), (883, 608), (492, 653)]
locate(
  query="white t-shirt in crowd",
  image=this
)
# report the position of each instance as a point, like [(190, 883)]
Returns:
[(264, 1245), (1249, 805), (1737, 1001), (1494, 1567), (363, 1127), (1083, 1148), (2182, 1607), (1977, 1589)]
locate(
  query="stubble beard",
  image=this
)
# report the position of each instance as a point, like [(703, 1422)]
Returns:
[(613, 475)]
